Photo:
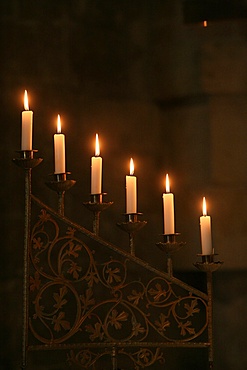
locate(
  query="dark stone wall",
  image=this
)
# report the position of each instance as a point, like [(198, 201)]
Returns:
[(168, 93)]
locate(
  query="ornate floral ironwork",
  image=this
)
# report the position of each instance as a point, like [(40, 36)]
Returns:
[(141, 358), (87, 292)]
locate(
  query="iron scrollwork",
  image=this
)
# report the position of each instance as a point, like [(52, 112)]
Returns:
[(85, 293), (141, 358)]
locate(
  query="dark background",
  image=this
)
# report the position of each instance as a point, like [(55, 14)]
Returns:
[(157, 87)]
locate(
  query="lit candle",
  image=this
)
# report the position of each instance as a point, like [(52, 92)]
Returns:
[(168, 209), (59, 149), (27, 126), (205, 225), (131, 191), (96, 170)]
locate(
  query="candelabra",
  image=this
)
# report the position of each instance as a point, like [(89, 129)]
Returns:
[(96, 302)]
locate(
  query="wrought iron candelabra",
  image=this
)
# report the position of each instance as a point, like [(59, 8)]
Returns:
[(109, 307)]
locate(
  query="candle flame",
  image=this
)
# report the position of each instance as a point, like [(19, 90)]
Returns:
[(26, 106), (58, 124), (167, 184), (204, 207), (132, 168), (97, 149), (205, 23)]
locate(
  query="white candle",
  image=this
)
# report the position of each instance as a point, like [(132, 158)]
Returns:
[(131, 191), (205, 226), (96, 170), (168, 209), (59, 149), (27, 126)]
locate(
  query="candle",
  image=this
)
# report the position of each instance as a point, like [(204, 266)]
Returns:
[(27, 125), (205, 226), (131, 192), (168, 209), (96, 170), (59, 149)]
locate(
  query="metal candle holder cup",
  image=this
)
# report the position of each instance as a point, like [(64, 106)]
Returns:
[(60, 184), (170, 246), (27, 160), (207, 263), (132, 225), (96, 205)]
